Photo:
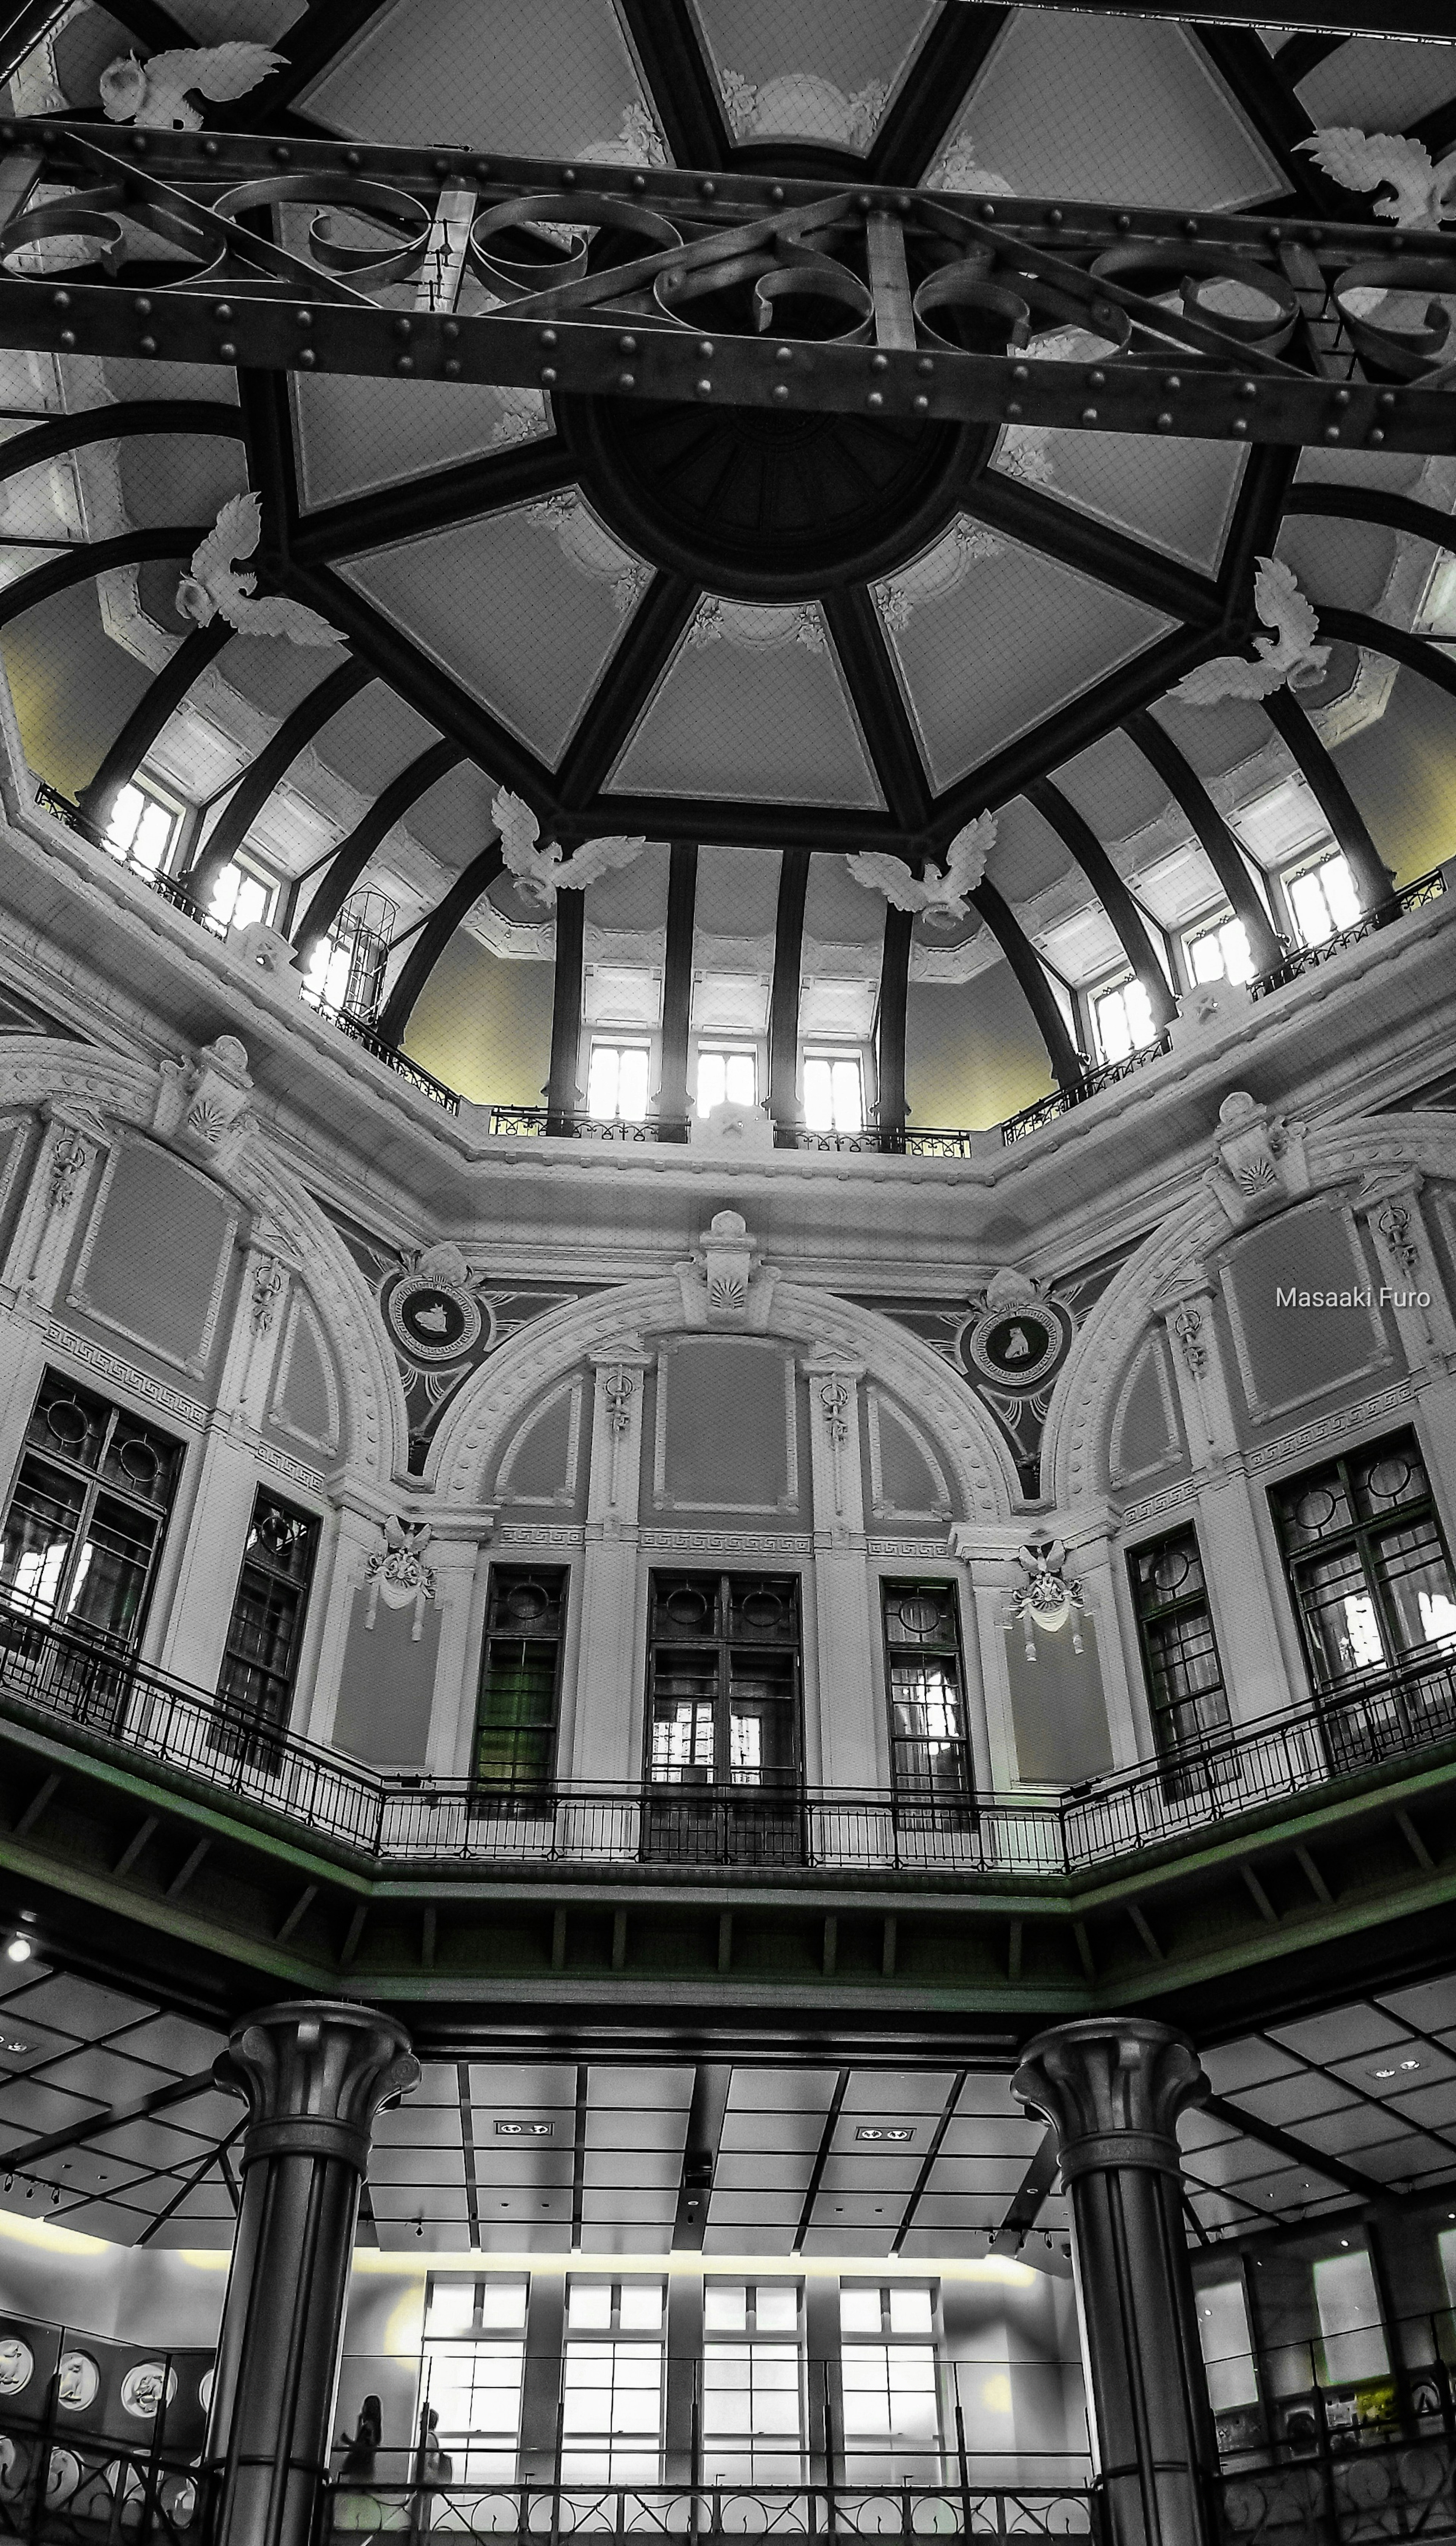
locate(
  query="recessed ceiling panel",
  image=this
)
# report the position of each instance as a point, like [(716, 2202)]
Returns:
[(356, 435), (1106, 110), (989, 652), (753, 707), (533, 82), (1177, 496), (507, 606), (819, 71), (1378, 85)]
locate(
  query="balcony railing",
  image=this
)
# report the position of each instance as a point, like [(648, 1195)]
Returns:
[(68, 1678), (898, 2511), (1307, 959)]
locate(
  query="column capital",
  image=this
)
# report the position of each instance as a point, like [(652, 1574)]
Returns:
[(314, 2073), (1112, 2087)]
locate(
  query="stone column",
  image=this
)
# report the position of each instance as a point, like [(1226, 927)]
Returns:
[(315, 2073), (1112, 2087)]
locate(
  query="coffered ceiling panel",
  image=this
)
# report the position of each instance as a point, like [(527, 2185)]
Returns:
[(484, 78), (1380, 86), (753, 706), (1175, 496), (821, 72), (354, 436), (503, 606)]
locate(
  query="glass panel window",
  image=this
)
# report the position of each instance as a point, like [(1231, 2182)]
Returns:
[(835, 1093), (726, 1075), (87, 1514), (1122, 1019), (612, 2382), (723, 1680), (1180, 1657), (143, 826), (1323, 899), (265, 1633), (1366, 1562), (617, 1083), (890, 2390), (346, 970), (1353, 2344), (474, 2373), (244, 893), (752, 2384), (520, 1678), (930, 1750), (1226, 2345), (1220, 952)]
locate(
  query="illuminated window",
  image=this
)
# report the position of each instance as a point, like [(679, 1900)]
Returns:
[(752, 2383), (143, 826), (1345, 2302), (723, 1680), (474, 2371), (617, 1083), (835, 1093), (345, 976), (889, 2392), (1366, 1561), (930, 1751), (1323, 899), (265, 1633), (242, 893), (612, 2382), (86, 1520), (726, 1075), (1227, 2345), (1122, 1019), (1220, 952), (1180, 1659)]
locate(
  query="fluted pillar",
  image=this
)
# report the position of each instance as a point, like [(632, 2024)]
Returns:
[(1112, 2087), (315, 2073)]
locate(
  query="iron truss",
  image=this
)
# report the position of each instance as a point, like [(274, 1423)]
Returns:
[(730, 290)]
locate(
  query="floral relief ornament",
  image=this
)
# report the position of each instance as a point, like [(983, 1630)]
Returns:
[(1046, 1596), (398, 1576), (1259, 1159)]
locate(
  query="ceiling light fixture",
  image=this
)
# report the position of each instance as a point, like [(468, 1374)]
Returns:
[(1382, 2073), (19, 1949), (1410, 2063)]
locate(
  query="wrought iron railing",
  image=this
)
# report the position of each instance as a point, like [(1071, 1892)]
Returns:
[(411, 1071), (1019, 1127), (903, 2511), (1307, 959), (536, 1122), (100, 2440), (66, 1676)]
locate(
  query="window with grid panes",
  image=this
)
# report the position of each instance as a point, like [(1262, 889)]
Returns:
[(1322, 897), (619, 1081), (1366, 1563), (88, 1514), (520, 1678), (726, 1074), (753, 2416), (1219, 951), (835, 1093), (929, 1742), (473, 2373), (265, 1633), (1181, 1656), (143, 826), (889, 2403), (1122, 1019), (723, 1680), (612, 2381)]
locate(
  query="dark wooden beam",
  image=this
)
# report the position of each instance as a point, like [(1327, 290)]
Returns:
[(1217, 842), (679, 82), (89, 558), (1067, 1063), (1059, 531), (436, 501), (354, 853), (561, 1095), (1077, 832), (714, 820), (673, 1099), (262, 775), (1332, 795), (889, 1051), (783, 1012), (928, 106), (878, 702), (449, 915), (1417, 653), (158, 702), (625, 687)]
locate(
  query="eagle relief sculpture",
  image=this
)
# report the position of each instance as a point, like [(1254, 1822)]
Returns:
[(398, 1574)]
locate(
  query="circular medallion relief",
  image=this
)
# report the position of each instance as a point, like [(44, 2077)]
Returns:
[(143, 2386), (77, 2382), (431, 1321), (16, 2365), (1017, 1348)]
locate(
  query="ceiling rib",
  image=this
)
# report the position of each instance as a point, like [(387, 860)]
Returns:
[(893, 1005), (448, 915), (679, 82), (190, 2182), (677, 987), (158, 704), (522, 474), (562, 1095), (1331, 794), (821, 2160), (864, 655), (1366, 2188), (354, 853), (783, 1009), (1074, 538), (706, 2112), (89, 558), (1361, 628), (937, 2135), (1374, 504), (117, 423), (31, 2151), (324, 32), (624, 689), (262, 775), (1068, 1064), (1251, 74), (932, 96), (1217, 842), (724, 820), (1024, 2207), (1126, 916)]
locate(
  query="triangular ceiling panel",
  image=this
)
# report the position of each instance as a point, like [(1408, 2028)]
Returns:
[(456, 73), (816, 72), (357, 435), (523, 608), (753, 707), (1175, 496), (1105, 110), (989, 638)]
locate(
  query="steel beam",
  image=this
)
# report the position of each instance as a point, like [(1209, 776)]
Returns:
[(1217, 842), (1331, 794), (1067, 1063), (447, 916), (86, 559), (889, 1049), (1184, 372), (624, 689), (1073, 828), (156, 706), (879, 703), (561, 1094), (673, 1097), (434, 502), (783, 1014), (1417, 653)]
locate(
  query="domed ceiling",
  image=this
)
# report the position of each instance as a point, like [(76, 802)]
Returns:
[(752, 630)]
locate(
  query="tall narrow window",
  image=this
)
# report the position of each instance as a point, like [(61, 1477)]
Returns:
[(726, 1075), (520, 1679), (929, 1744), (1226, 2345), (612, 2382), (1218, 951), (1180, 1659), (86, 1519), (143, 826), (1352, 2336), (723, 1715), (1367, 1563), (474, 2372), (890, 2405), (1122, 1019), (752, 2383), (618, 1081), (835, 1093), (1323, 899), (265, 1634)]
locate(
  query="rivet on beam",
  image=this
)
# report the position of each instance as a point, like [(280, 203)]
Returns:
[(306, 358), (548, 375)]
